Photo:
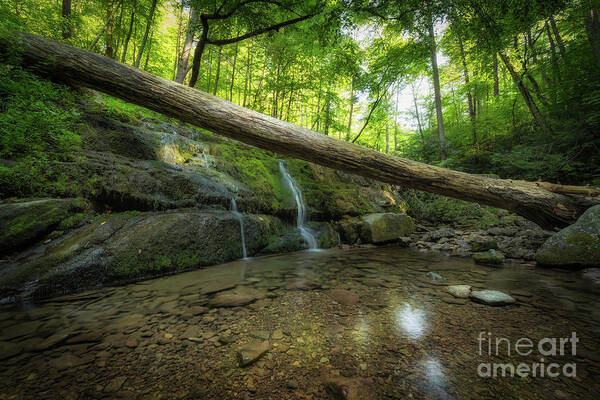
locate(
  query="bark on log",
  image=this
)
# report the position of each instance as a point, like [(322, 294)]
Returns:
[(75, 66)]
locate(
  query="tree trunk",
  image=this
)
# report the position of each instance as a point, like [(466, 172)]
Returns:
[(349, 131), (179, 33), (529, 102), (419, 126), (387, 139), (559, 41), (66, 22), (129, 32), (146, 33), (495, 73), (469, 96), (592, 28), (248, 73), (119, 31), (555, 68), (149, 49), (108, 51), (184, 56), (438, 93), (218, 72), (233, 72), (199, 52), (537, 202)]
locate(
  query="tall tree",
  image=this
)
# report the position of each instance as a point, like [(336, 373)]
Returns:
[(184, 57), (129, 31), (146, 33), (437, 91), (66, 19)]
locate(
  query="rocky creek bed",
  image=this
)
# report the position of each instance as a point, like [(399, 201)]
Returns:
[(365, 323)]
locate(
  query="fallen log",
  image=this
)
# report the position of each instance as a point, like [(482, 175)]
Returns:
[(74, 66)]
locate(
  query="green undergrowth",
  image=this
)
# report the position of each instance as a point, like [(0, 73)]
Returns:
[(38, 128)]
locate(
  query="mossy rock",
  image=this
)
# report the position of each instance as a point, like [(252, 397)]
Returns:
[(381, 228), (483, 244), (575, 246), (23, 223), (490, 257), (133, 245)]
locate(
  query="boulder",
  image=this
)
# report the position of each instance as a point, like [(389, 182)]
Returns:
[(23, 223), (575, 246), (385, 227)]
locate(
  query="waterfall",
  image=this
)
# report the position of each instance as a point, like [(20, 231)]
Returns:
[(305, 231), (237, 214)]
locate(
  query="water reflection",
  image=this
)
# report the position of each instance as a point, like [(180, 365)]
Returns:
[(435, 382), (411, 321)]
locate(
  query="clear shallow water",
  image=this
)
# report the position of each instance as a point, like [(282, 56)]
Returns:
[(357, 324)]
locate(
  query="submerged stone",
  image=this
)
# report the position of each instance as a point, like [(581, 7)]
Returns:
[(460, 291), (435, 276), (492, 297), (345, 297), (489, 257), (251, 352)]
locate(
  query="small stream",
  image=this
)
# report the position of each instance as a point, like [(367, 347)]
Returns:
[(368, 322)]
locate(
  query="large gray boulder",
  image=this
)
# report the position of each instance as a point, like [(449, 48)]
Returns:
[(577, 245)]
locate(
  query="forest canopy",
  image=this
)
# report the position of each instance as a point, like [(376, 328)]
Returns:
[(509, 88)]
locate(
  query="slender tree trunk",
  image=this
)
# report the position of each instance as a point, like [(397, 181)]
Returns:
[(555, 67), (119, 31), (419, 126), (129, 32), (146, 33), (396, 121), (495, 73), (184, 56), (149, 49), (233, 72), (559, 41), (592, 28), (349, 131), (179, 33), (66, 19), (258, 94), (327, 110), (529, 102), (108, 51), (387, 138), (218, 72), (248, 73), (209, 74), (438, 93), (199, 52), (469, 96)]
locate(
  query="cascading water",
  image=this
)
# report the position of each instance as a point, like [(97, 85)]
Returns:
[(237, 214), (305, 231)]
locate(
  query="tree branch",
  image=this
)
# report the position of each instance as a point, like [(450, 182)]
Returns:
[(257, 32)]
